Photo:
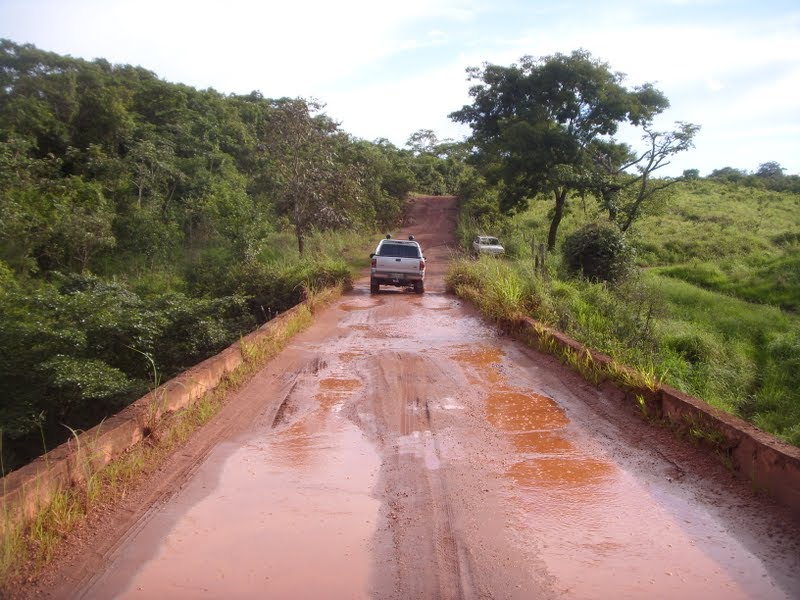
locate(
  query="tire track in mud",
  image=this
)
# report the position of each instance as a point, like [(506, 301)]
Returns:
[(429, 560)]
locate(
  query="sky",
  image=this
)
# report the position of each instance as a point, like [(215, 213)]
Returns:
[(388, 69)]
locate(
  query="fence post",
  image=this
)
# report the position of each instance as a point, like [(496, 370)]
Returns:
[(541, 256)]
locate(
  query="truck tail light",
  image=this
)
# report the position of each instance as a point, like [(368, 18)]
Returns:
[(422, 265), (374, 262)]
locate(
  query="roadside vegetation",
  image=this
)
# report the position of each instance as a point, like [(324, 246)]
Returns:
[(695, 281), (147, 223), (709, 305)]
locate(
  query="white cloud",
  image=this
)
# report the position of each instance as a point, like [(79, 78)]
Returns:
[(725, 74), (239, 45), (778, 96), (395, 110)]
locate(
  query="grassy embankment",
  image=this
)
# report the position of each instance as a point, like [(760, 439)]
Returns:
[(712, 310)]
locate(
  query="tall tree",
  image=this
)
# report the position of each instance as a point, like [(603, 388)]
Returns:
[(625, 194), (532, 123), (769, 170), (314, 189)]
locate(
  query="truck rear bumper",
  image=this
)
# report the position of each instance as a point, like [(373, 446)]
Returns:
[(396, 278)]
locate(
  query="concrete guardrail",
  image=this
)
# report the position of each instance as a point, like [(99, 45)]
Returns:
[(27, 490)]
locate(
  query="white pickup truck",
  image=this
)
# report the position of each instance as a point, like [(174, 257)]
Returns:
[(399, 263), (487, 244)]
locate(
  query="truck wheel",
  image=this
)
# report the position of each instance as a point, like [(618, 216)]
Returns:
[(373, 287), (419, 287)]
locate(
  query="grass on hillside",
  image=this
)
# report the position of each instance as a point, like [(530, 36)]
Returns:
[(719, 263), (739, 357), (775, 281), (703, 221)]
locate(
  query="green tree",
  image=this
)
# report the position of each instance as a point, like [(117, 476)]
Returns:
[(385, 180), (728, 174), (83, 225), (770, 170), (313, 188), (598, 251), (38, 95), (626, 195), (532, 123), (153, 169), (27, 212), (422, 141)]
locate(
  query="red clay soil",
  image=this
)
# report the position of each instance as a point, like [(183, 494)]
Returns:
[(401, 447)]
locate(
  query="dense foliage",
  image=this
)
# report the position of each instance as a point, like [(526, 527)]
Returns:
[(598, 251), (545, 127), (144, 225), (769, 176)]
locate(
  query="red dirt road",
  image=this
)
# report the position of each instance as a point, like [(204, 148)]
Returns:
[(402, 448)]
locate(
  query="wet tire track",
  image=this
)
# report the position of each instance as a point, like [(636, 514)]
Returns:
[(430, 561)]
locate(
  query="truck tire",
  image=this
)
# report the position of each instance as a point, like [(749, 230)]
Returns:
[(373, 286), (419, 287)]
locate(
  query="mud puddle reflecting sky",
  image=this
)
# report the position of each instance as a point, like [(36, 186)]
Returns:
[(291, 516), (599, 530)]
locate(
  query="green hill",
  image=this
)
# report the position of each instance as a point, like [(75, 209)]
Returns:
[(712, 308)]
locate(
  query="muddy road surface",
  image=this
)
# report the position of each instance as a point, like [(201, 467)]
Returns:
[(401, 447)]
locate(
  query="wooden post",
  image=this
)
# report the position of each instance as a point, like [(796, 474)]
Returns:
[(541, 256)]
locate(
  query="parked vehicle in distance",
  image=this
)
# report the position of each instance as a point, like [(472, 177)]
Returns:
[(486, 244), (399, 263)]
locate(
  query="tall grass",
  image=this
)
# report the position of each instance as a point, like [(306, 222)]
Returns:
[(773, 281), (741, 357), (708, 320)]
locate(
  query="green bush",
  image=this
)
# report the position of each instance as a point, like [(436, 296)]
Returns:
[(693, 346), (599, 252), (72, 352)]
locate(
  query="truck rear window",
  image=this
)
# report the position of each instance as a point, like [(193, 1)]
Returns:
[(399, 251)]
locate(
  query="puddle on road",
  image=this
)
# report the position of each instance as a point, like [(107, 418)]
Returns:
[(339, 384), (328, 400), (349, 356), (286, 504), (516, 411), (560, 472), (483, 360), (334, 391), (599, 531), (540, 442), (602, 534), (597, 528), (356, 306), (437, 302)]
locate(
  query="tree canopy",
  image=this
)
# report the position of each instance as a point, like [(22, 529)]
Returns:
[(534, 123), (141, 214)]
